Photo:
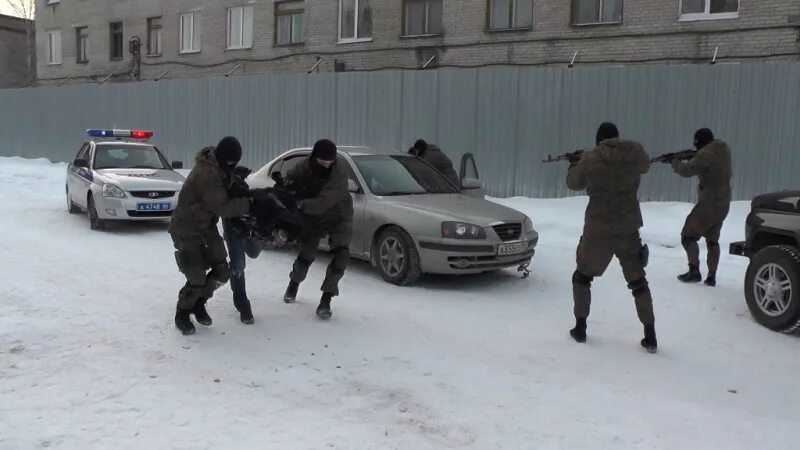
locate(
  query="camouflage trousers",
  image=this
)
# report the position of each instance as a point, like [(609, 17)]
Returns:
[(595, 253), (340, 234), (195, 256), (705, 221)]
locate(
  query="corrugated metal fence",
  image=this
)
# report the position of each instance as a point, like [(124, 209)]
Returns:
[(510, 118)]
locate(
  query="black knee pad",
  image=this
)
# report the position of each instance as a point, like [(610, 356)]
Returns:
[(220, 273), (305, 261), (686, 240), (639, 287), (581, 279)]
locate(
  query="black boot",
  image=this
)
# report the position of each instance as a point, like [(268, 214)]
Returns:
[(324, 308), (291, 292), (579, 332), (711, 281), (649, 342), (200, 313), (246, 316), (183, 321), (692, 276)]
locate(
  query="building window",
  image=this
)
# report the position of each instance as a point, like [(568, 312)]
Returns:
[(355, 20), (190, 33), (52, 2), (709, 9), (240, 27), (289, 22), (154, 36), (510, 14), (591, 12), (115, 31), (54, 47), (82, 47), (422, 17)]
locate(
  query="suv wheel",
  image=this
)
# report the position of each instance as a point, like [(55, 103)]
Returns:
[(772, 288), (95, 222), (397, 257), (71, 207)]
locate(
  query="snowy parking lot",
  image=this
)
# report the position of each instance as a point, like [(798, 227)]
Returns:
[(90, 358)]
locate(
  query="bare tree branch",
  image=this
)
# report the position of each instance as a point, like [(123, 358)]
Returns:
[(23, 8)]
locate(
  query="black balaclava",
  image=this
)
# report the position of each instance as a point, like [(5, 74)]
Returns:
[(607, 130), (420, 147), (324, 150), (702, 137), (229, 153)]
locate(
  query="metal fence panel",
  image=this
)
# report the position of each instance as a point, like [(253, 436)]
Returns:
[(509, 118)]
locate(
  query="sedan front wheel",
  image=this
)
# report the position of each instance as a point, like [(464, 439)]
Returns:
[(397, 257)]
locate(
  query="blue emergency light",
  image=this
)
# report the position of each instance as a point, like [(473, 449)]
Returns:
[(134, 134)]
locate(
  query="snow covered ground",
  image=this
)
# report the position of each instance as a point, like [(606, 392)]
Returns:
[(89, 357)]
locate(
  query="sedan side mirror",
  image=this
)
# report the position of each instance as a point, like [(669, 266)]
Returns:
[(471, 183), (81, 163), (177, 164), (352, 186)]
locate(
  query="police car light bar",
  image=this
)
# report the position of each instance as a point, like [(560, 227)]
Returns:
[(135, 134)]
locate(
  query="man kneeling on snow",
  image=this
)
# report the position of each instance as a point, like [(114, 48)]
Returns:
[(199, 247)]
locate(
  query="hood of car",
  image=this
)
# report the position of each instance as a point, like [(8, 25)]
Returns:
[(788, 200), (131, 179), (456, 207)]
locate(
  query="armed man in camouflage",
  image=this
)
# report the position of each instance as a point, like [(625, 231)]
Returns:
[(199, 247), (610, 174), (713, 168)]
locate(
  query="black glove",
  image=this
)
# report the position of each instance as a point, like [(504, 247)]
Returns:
[(242, 172)]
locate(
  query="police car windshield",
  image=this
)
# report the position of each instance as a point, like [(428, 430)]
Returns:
[(119, 156), (401, 175)]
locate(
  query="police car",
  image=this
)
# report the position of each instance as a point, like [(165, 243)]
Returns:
[(118, 175)]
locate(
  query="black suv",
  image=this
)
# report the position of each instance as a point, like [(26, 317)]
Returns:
[(772, 282)]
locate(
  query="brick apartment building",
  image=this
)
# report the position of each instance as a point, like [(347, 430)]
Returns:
[(17, 61), (84, 40)]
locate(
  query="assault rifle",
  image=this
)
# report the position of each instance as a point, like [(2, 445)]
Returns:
[(572, 157), (683, 155)]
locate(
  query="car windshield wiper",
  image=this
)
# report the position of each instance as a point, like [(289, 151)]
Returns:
[(106, 167), (143, 167)]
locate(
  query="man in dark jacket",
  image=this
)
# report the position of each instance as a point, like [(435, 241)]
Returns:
[(712, 166), (234, 231), (199, 247), (610, 174), (328, 208), (434, 156)]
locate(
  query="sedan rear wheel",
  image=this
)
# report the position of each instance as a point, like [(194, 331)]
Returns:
[(397, 257)]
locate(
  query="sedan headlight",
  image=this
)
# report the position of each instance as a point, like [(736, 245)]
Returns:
[(110, 190), (460, 230), (527, 226)]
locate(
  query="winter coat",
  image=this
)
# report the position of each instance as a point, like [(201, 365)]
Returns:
[(713, 168), (204, 198), (434, 156), (325, 196), (610, 173)]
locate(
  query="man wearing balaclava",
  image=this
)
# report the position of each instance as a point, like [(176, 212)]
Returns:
[(434, 156), (713, 168), (199, 247), (328, 206), (610, 174)]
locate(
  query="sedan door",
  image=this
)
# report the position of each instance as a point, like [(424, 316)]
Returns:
[(79, 178)]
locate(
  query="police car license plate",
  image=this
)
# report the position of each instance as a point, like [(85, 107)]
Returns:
[(153, 207), (512, 248)]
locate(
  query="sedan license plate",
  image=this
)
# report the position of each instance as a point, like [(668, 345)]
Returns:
[(153, 207), (512, 248)]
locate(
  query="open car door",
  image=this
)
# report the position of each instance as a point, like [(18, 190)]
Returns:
[(469, 178)]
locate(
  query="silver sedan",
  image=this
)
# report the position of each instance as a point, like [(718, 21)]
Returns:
[(410, 220)]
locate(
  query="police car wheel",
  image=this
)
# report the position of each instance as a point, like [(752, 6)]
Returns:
[(772, 288), (71, 207), (95, 223)]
